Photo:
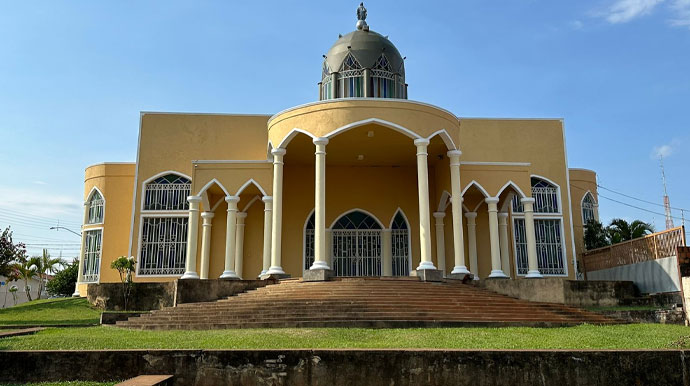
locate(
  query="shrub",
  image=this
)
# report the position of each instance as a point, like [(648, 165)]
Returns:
[(64, 281)]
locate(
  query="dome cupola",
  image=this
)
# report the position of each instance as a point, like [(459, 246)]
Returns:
[(363, 64)]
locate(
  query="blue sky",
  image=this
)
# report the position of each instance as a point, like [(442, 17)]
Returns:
[(74, 76)]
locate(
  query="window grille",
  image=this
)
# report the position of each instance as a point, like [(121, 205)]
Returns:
[(168, 192), (383, 82), (92, 255), (309, 243), (550, 257), (545, 198), (96, 208), (163, 246), (588, 206), (401, 246), (350, 78)]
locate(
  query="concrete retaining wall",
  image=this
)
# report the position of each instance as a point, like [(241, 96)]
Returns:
[(154, 296), (652, 276), (355, 367), (556, 290)]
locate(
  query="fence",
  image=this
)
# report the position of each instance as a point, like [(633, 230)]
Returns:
[(651, 247)]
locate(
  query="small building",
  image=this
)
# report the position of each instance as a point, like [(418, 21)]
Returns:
[(364, 182)]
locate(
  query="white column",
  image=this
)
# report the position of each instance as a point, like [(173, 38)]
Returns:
[(80, 274), (387, 252), (206, 222), (192, 238), (239, 243), (472, 242), (277, 227), (503, 236), (440, 241), (231, 226), (456, 209), (424, 213), (496, 271), (320, 205), (532, 266), (268, 209)]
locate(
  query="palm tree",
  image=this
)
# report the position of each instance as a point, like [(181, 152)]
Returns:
[(43, 265), (621, 230), (26, 272)]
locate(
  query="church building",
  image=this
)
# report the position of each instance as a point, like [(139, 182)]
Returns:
[(362, 182)]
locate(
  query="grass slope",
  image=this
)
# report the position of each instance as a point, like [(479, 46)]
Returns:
[(632, 336), (50, 312)]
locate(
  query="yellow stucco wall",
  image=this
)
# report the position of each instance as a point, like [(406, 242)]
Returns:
[(115, 181), (495, 151), (581, 182)]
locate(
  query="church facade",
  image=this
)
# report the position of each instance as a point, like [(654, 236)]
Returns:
[(363, 182)]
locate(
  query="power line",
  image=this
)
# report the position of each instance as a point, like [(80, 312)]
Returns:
[(637, 207), (12, 217), (24, 214), (638, 199)]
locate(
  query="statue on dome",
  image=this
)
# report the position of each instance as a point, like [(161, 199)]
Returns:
[(361, 18)]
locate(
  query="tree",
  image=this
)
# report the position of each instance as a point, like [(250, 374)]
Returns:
[(62, 284), (13, 291), (620, 230), (26, 272), (125, 267), (44, 264), (596, 235), (9, 252), (13, 275)]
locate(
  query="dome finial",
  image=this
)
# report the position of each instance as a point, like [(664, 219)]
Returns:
[(361, 18)]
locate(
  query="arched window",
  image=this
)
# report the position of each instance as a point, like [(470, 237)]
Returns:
[(356, 245), (384, 81), (92, 255), (326, 82), (588, 207), (400, 236), (547, 229), (164, 235), (168, 192), (95, 208), (350, 78), (309, 242)]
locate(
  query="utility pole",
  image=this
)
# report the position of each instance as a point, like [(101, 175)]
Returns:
[(667, 203)]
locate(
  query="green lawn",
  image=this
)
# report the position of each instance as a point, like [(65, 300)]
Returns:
[(631, 336), (50, 312)]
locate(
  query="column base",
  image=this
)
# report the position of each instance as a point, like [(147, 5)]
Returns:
[(534, 275), (317, 274), (319, 265), (190, 275), (497, 274), (263, 272), (460, 270), (464, 277), (274, 276), (229, 275), (428, 274), (275, 270), (424, 265), (76, 294)]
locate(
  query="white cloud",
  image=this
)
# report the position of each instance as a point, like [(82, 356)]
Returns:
[(665, 150), (623, 11), (37, 182), (682, 10), (576, 24), (39, 203)]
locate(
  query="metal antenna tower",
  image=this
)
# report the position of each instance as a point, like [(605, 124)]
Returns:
[(667, 203)]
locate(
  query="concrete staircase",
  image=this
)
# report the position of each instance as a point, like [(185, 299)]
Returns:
[(364, 302)]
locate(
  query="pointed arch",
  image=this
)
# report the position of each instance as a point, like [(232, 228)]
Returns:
[(209, 184), (512, 185), (291, 135), (444, 201), (179, 206), (381, 122), (249, 182), (250, 203), (92, 191), (445, 137), (402, 214), (478, 186), (357, 210), (95, 212)]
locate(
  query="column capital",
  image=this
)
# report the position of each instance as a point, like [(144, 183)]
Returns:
[(439, 215), (320, 141), (491, 200), (194, 199), (207, 215), (454, 153), (230, 199), (502, 215), (267, 199), (278, 151), (471, 215), (421, 142), (241, 215), (527, 200)]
